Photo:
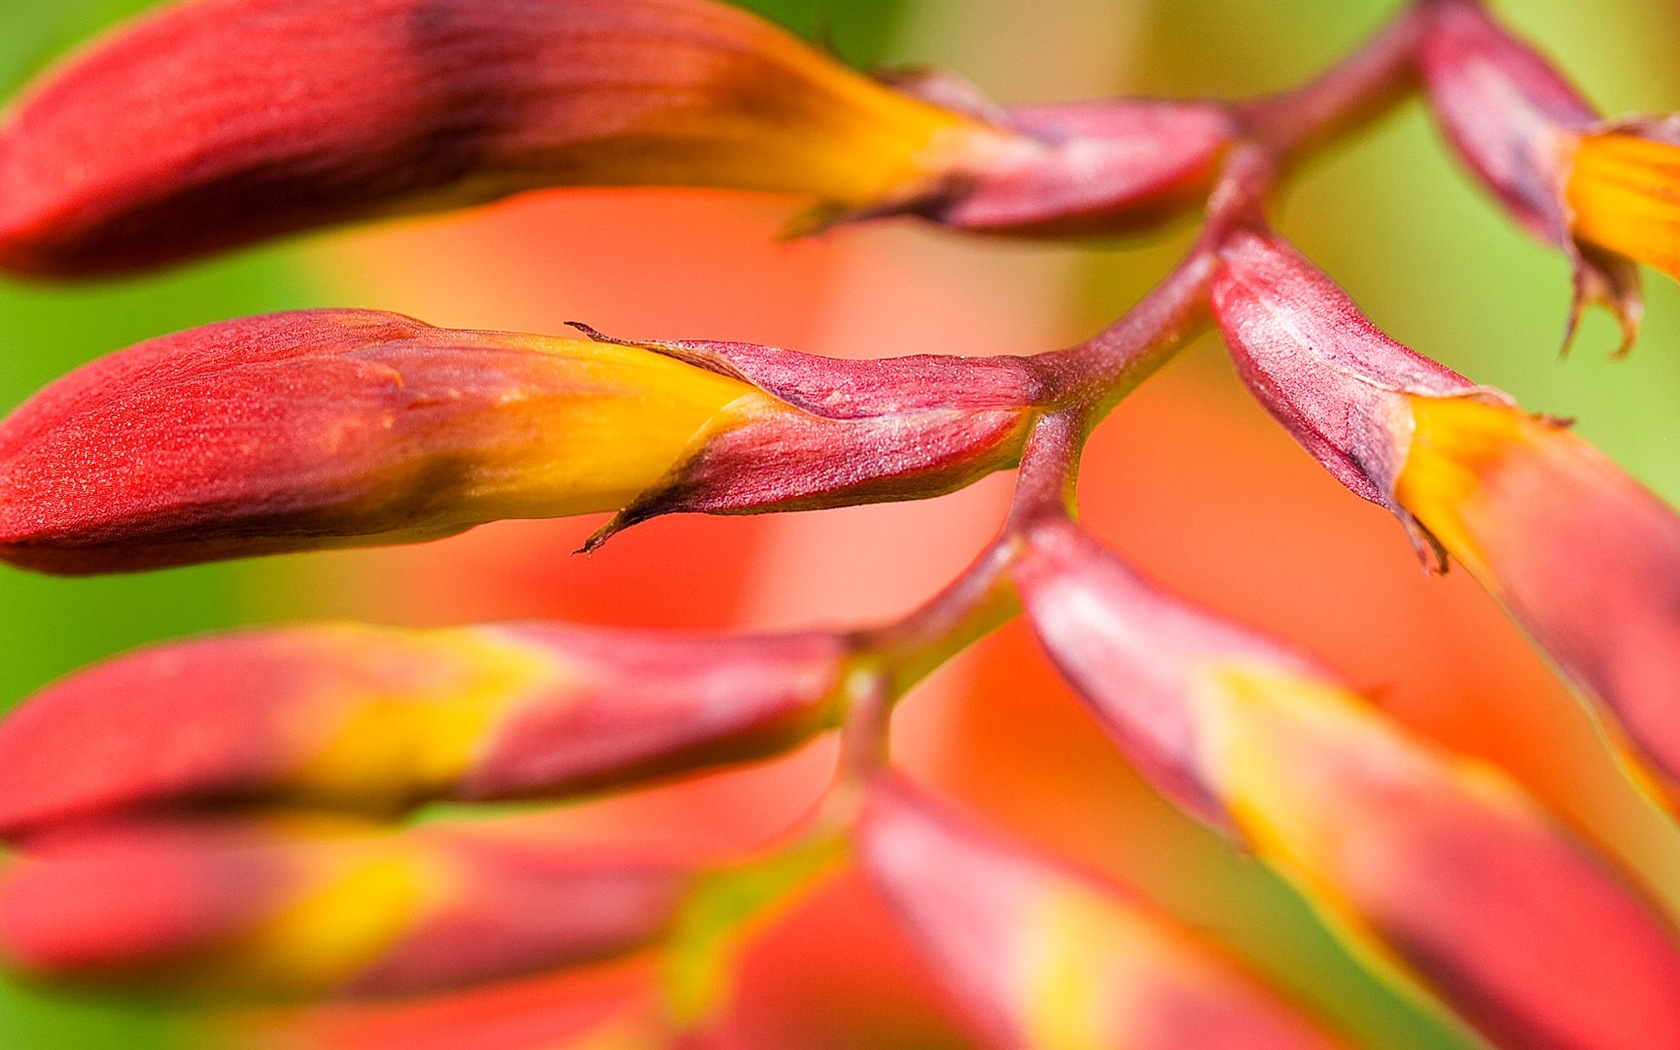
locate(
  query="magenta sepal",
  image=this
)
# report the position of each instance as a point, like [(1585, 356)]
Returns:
[(865, 431), (1513, 119), (1109, 166), (1321, 368)]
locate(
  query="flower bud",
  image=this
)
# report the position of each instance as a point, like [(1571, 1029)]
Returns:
[(1516, 123), (1583, 557), (311, 906), (1320, 367), (333, 428), (1040, 957), (378, 719), (217, 123), (1435, 866)]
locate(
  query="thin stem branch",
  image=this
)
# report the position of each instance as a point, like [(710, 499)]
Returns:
[(1082, 383), (1345, 97)]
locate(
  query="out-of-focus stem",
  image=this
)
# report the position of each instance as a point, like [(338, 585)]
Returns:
[(1351, 93)]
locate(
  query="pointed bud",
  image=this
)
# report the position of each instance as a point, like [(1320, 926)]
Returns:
[(1320, 367), (216, 123), (379, 719), (1437, 866), (1105, 166), (863, 431), (310, 906), (333, 428), (1037, 956), (1581, 555), (1515, 121)]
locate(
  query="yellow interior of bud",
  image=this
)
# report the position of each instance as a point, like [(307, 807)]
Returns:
[(879, 143), (392, 749), (1074, 988), (1281, 749), (1625, 194), (1094, 967), (1456, 443), (630, 418), (355, 898), (778, 115)]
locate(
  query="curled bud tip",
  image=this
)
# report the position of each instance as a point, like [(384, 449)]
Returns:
[(1531, 139)]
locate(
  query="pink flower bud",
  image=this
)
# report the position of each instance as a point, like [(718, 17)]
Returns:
[(1320, 367), (379, 719), (310, 906), (332, 428), (1515, 122), (1037, 956), (1436, 867)]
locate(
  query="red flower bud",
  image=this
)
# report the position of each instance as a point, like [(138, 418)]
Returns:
[(1586, 559), (333, 428), (1318, 365), (313, 906), (1581, 555), (378, 719), (217, 123)]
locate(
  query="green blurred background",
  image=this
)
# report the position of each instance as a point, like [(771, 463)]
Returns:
[(1388, 215)]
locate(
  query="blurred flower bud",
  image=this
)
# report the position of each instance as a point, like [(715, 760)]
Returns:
[(332, 428), (378, 719), (217, 123), (1435, 864), (310, 906), (1040, 957), (1516, 123), (1583, 557)]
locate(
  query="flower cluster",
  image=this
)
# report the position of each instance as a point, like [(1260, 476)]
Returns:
[(236, 815)]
